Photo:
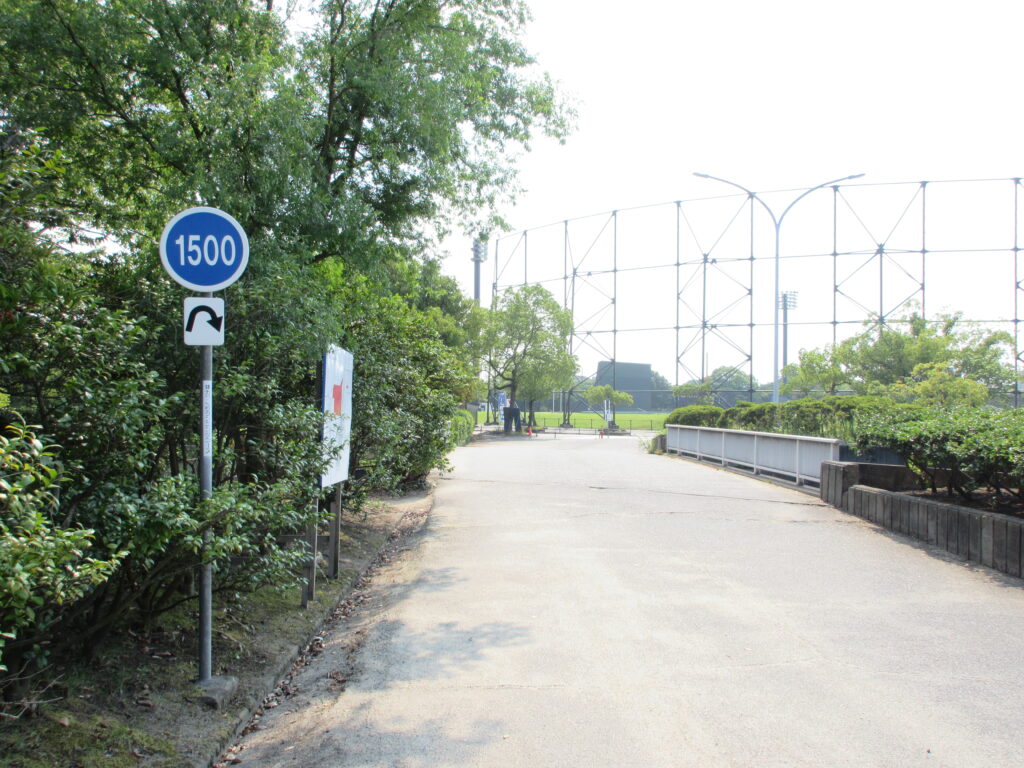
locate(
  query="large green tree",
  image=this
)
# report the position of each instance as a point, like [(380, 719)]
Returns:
[(544, 375), (818, 372), (383, 117), (662, 398), (526, 339), (938, 362), (420, 104), (727, 380), (598, 395)]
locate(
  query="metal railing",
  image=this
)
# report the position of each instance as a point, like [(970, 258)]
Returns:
[(792, 457)]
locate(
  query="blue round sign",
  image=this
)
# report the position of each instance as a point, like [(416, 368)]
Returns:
[(204, 249)]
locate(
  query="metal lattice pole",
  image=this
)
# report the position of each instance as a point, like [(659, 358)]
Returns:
[(924, 248), (678, 299), (727, 321), (750, 309), (615, 296), (1016, 293), (835, 266)]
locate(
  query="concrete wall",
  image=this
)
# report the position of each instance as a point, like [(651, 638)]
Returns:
[(988, 538), (838, 476)]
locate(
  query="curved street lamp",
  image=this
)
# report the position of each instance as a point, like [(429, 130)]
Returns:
[(777, 221)]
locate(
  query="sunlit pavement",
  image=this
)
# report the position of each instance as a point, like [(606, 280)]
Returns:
[(579, 602)]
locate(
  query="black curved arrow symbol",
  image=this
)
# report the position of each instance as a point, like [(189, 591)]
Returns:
[(214, 320)]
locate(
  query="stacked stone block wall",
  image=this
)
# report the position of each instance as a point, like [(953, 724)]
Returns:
[(988, 538)]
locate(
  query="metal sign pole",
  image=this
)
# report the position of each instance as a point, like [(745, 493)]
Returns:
[(205, 492), (334, 392), (309, 588), (204, 250)]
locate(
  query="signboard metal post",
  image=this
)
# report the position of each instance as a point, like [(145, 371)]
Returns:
[(335, 391), (205, 492), (205, 250)]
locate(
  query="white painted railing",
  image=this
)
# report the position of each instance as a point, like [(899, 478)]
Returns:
[(790, 456)]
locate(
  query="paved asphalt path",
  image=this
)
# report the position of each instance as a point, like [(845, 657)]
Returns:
[(578, 602)]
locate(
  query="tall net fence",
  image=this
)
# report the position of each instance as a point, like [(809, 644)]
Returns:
[(695, 286)]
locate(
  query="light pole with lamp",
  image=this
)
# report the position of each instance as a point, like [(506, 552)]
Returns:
[(777, 221), (479, 257), (788, 301)]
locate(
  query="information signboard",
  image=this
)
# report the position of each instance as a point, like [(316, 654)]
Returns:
[(337, 406)]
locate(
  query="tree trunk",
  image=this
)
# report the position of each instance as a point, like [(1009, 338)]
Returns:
[(567, 408)]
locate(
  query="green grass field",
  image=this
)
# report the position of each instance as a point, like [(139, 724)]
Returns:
[(593, 421)]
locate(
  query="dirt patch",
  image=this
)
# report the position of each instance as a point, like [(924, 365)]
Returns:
[(135, 702)]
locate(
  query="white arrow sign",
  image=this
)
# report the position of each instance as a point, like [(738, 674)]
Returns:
[(204, 322)]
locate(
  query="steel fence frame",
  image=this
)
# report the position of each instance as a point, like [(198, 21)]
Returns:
[(739, 247)]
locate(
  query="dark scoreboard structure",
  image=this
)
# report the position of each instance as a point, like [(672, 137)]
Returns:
[(634, 378)]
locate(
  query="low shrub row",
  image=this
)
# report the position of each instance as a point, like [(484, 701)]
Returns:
[(825, 417), (696, 416), (462, 424), (965, 449)]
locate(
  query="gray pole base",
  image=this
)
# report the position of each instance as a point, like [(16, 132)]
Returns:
[(217, 691)]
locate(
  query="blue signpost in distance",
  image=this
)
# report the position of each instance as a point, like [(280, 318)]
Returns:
[(204, 249)]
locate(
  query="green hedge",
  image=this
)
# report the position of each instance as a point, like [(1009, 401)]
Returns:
[(696, 416), (755, 417), (462, 424), (833, 416), (962, 449)]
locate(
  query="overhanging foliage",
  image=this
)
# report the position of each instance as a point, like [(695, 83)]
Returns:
[(339, 153)]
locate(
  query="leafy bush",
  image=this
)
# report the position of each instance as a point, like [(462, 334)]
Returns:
[(833, 416), (755, 417), (107, 383), (403, 399), (90, 343), (964, 449), (43, 563), (462, 425), (696, 416), (904, 433), (992, 454), (89, 350)]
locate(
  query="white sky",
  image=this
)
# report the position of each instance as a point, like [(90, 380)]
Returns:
[(772, 94)]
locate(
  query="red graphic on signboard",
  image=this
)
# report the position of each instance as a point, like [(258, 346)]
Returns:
[(339, 390)]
